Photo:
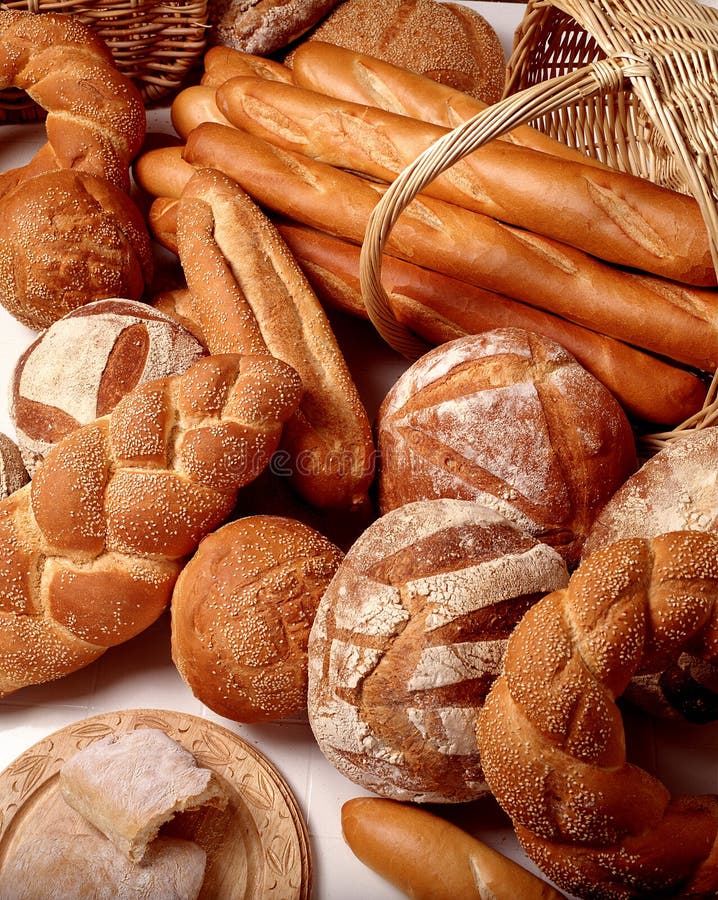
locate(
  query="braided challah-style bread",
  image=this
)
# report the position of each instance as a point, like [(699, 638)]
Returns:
[(91, 548), (95, 115), (552, 740)]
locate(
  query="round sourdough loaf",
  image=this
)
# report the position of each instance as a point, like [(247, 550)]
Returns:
[(242, 610), (675, 490), (408, 639), (510, 419), (82, 365), (447, 42)]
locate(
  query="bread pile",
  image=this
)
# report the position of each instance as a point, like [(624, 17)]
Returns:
[(457, 648), (69, 230)]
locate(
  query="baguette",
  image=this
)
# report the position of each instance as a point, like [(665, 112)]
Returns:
[(429, 858), (221, 63), (193, 105), (439, 309), (617, 217), (250, 296), (652, 313), (360, 78)]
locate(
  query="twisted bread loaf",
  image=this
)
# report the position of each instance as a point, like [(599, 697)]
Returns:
[(92, 547), (551, 737), (95, 114)]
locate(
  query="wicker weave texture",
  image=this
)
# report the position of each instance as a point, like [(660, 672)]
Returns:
[(156, 44)]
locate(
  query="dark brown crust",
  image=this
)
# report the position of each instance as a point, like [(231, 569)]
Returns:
[(262, 27)]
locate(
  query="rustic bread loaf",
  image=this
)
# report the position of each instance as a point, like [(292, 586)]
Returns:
[(242, 610), (66, 864), (263, 27), (446, 42), (91, 548), (551, 736), (13, 474), (129, 785), (82, 365), (408, 638), (509, 419)]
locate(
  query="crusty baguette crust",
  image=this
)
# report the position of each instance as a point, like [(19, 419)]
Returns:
[(675, 321), (193, 105), (617, 217), (429, 858), (221, 63), (248, 290), (93, 545), (439, 308), (361, 78)]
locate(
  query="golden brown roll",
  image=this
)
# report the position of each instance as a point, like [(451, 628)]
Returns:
[(242, 610)]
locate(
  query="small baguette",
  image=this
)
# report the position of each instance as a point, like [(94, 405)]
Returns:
[(193, 105), (655, 314), (429, 858), (438, 308), (617, 217), (349, 75), (221, 63)]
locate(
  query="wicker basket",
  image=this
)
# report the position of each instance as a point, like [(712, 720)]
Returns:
[(156, 43), (633, 83)]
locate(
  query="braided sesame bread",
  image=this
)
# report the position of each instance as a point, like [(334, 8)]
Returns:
[(92, 547), (551, 736), (408, 639), (95, 115)]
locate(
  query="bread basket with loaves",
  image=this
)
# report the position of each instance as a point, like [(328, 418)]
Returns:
[(156, 44), (632, 85)]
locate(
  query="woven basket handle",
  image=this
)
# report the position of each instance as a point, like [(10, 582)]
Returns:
[(605, 75)]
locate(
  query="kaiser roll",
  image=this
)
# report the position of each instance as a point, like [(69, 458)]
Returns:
[(408, 639), (242, 609), (510, 419)]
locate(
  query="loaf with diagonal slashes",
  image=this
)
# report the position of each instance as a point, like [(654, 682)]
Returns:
[(551, 736), (91, 548)]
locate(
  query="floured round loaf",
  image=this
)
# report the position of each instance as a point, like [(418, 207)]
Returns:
[(13, 474), (510, 419), (242, 610), (408, 639), (447, 42), (82, 365), (675, 490)]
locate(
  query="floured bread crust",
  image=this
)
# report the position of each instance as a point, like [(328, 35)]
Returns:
[(69, 866), (408, 638), (128, 785)]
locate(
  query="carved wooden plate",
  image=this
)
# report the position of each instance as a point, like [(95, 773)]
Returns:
[(257, 849)]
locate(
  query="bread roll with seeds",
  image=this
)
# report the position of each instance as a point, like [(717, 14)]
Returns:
[(408, 638), (13, 474), (507, 418), (82, 365), (92, 547), (551, 736), (446, 42), (242, 610)]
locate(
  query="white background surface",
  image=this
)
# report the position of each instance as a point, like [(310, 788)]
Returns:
[(140, 673)]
